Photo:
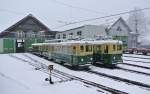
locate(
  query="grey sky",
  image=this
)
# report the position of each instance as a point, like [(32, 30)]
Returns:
[(51, 12)]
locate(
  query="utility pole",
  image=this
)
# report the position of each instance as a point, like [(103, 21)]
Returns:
[(136, 28)]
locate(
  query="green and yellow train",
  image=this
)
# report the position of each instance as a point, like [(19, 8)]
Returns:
[(81, 53)]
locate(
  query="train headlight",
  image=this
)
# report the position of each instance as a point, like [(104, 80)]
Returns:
[(91, 58), (114, 57), (82, 59)]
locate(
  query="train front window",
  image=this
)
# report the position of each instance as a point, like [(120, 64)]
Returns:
[(88, 48)]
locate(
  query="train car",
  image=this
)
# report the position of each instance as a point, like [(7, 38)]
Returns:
[(39, 49), (82, 53), (73, 53), (77, 54), (107, 52)]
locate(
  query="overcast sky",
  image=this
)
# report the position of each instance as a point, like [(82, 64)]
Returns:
[(54, 12)]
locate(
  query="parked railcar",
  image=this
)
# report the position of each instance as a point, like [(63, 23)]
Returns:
[(107, 52), (73, 53), (78, 53)]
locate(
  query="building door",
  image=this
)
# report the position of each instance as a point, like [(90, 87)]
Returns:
[(19, 46)]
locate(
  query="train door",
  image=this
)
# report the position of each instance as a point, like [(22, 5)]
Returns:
[(97, 53), (106, 49), (19, 46)]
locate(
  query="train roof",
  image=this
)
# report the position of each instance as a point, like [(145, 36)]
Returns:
[(82, 42), (106, 42)]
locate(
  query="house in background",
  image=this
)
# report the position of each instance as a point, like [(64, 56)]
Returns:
[(121, 31), (83, 32), (28, 27)]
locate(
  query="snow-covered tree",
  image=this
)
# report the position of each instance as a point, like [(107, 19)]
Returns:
[(138, 24)]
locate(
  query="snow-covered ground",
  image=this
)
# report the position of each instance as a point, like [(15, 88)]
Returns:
[(20, 77), (17, 77), (92, 77), (124, 74)]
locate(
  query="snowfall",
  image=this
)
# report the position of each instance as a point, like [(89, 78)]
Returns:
[(19, 77)]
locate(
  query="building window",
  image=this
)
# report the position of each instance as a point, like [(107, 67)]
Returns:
[(79, 33), (41, 34), (119, 28), (20, 34), (64, 36), (30, 34), (58, 37), (70, 33)]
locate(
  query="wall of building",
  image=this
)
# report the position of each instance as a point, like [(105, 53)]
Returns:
[(91, 31), (118, 30), (121, 32), (87, 31)]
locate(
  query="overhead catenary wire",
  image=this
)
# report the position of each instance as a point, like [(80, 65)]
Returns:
[(112, 15), (75, 7), (12, 11)]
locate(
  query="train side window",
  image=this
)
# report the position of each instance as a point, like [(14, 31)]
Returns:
[(82, 48), (90, 48), (119, 47), (98, 47), (114, 47), (74, 49)]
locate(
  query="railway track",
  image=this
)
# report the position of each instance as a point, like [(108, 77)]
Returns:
[(136, 61), (114, 77), (44, 66), (146, 58), (138, 57), (120, 79), (135, 65), (133, 71)]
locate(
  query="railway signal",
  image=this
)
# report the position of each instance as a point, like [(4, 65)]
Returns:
[(50, 67)]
